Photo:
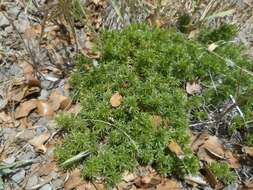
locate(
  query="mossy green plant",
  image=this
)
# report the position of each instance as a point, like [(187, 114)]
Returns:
[(149, 68), (223, 172)]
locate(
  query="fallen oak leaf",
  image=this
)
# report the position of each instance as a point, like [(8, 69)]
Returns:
[(44, 108), (175, 148), (116, 100), (74, 180), (169, 184), (25, 108), (248, 150), (58, 101), (38, 142), (147, 181)]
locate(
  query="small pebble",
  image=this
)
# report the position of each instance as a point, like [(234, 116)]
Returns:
[(32, 181), (46, 187), (19, 176)]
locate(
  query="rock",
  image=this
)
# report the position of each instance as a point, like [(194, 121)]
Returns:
[(4, 22), (32, 181), (40, 130), (231, 187), (25, 135), (58, 183), (45, 84), (27, 155), (46, 187), (9, 160), (19, 176), (44, 94)]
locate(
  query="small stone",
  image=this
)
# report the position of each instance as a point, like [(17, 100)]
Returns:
[(58, 183), (40, 130), (44, 94), (231, 187), (45, 84), (26, 135), (9, 160), (19, 176), (32, 181), (3, 22), (27, 156), (46, 187)]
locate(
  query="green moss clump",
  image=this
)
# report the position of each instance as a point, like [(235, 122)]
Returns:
[(223, 172), (148, 67), (225, 32)]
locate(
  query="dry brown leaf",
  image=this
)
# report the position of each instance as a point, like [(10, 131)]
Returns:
[(25, 108), (204, 156), (31, 81), (247, 186), (169, 184), (156, 120), (148, 181), (46, 169), (248, 150), (215, 147), (212, 47), (38, 142), (44, 108), (232, 159), (18, 93), (74, 180), (5, 118), (27, 69), (193, 88), (210, 177), (58, 101), (116, 100), (199, 141), (175, 148), (128, 176)]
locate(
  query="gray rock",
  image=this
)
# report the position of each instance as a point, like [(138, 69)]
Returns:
[(231, 187), (19, 176), (44, 94), (4, 22), (45, 84), (40, 130), (58, 183), (46, 187), (9, 160), (32, 181), (27, 155), (26, 135)]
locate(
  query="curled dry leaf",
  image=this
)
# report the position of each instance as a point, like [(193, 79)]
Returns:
[(175, 148), (169, 184), (193, 88), (211, 178), (44, 108), (116, 100), (248, 150), (25, 108), (210, 148), (74, 180), (247, 186), (148, 181), (195, 180), (31, 81), (38, 142), (58, 101)]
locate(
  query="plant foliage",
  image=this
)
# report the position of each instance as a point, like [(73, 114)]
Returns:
[(149, 68)]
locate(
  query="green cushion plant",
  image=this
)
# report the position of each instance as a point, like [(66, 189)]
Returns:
[(149, 68)]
